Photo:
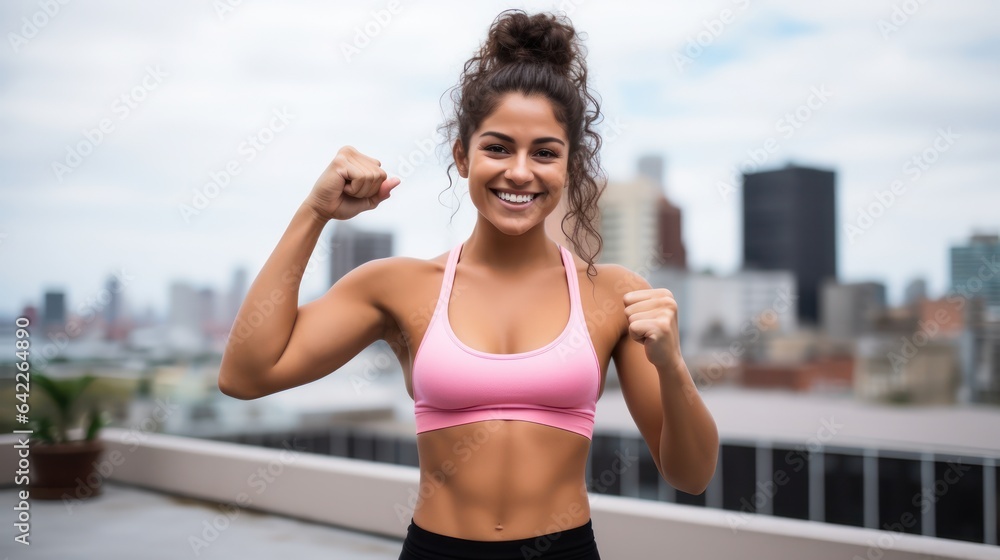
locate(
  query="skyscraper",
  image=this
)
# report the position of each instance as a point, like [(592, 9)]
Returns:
[(850, 310), (352, 247), (668, 221), (54, 312), (975, 269), (113, 311), (640, 228), (789, 217)]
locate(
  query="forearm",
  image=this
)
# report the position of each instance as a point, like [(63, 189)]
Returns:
[(265, 319), (689, 438)]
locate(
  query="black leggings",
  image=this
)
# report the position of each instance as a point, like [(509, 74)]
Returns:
[(570, 544)]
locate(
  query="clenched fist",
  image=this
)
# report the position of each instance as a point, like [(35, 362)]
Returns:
[(652, 320), (351, 184)]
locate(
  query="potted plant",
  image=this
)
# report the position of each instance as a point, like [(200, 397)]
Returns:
[(63, 458)]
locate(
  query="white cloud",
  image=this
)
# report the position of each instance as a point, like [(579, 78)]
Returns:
[(226, 76)]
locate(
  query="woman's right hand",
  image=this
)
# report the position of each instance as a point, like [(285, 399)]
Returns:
[(351, 184)]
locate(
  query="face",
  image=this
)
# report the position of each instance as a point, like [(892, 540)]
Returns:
[(519, 149)]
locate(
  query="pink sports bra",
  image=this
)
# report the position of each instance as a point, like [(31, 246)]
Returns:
[(556, 385)]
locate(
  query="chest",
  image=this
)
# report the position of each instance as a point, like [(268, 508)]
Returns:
[(491, 316)]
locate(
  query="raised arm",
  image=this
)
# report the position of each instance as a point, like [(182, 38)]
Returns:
[(275, 344)]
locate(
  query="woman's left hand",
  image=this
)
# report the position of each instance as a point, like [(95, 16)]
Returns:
[(652, 318)]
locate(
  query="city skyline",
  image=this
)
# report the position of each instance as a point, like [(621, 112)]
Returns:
[(110, 295), (862, 96)]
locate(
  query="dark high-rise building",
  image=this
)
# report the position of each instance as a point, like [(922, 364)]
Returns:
[(352, 247), (54, 312), (668, 219), (789, 223)]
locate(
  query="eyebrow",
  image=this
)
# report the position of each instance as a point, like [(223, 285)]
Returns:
[(506, 138)]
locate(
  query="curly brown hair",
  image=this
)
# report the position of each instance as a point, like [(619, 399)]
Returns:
[(538, 54)]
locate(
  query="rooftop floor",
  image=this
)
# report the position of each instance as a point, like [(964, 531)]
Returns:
[(128, 522)]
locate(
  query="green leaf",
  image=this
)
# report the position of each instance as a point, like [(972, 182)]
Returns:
[(96, 422), (42, 429), (64, 394)]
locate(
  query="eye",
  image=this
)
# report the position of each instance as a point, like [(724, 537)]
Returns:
[(550, 153), (491, 146)]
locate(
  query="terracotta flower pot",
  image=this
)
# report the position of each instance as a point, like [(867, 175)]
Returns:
[(65, 470)]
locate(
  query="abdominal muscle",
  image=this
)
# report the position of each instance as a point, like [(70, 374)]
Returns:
[(498, 480)]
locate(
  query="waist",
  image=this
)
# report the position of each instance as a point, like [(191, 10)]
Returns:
[(444, 515), (502, 468), (573, 542)]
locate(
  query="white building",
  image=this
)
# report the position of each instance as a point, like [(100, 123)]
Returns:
[(716, 308)]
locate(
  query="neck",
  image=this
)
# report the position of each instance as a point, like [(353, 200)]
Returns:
[(488, 246)]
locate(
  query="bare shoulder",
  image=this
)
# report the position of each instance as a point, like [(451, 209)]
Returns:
[(613, 278), (623, 279), (380, 278), (394, 285), (603, 295)]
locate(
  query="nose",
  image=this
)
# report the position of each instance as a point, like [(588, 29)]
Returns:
[(518, 171)]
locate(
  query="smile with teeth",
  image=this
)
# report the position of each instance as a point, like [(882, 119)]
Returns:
[(515, 198)]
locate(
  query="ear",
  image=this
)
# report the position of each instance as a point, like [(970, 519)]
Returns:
[(461, 163)]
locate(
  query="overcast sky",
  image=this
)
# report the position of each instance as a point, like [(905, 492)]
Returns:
[(180, 86)]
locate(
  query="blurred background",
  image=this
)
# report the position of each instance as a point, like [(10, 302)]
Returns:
[(812, 181)]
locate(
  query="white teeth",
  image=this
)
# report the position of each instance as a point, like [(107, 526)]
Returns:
[(515, 197)]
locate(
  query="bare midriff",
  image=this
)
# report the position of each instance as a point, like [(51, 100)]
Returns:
[(501, 480)]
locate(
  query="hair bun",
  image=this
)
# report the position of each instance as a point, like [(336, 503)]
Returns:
[(539, 38)]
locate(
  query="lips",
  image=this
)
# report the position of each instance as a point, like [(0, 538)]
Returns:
[(535, 194), (515, 206)]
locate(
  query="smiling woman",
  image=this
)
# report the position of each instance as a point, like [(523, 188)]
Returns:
[(504, 408), (531, 70), (523, 172)]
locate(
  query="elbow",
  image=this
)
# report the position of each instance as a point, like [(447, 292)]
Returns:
[(691, 483), (700, 488), (693, 489), (705, 476), (236, 390), (238, 381)]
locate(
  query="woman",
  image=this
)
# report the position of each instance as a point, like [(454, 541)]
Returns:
[(504, 385)]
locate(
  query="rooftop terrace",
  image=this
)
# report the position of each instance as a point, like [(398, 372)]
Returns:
[(178, 497)]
